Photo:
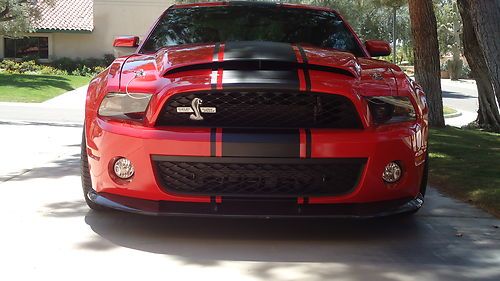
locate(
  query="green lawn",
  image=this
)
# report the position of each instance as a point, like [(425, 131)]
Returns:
[(36, 88), (449, 110), (466, 164)]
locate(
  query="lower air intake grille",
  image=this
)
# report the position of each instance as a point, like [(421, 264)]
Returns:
[(257, 177)]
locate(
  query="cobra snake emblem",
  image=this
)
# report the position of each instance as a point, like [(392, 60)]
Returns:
[(195, 104)]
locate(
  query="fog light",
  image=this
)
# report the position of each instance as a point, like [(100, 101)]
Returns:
[(392, 172), (123, 168)]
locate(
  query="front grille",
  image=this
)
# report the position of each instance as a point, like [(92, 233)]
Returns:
[(257, 177), (263, 109)]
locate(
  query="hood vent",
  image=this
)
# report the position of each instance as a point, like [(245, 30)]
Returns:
[(249, 65)]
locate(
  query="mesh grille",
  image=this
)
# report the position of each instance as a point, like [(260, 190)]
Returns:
[(244, 177), (264, 109)]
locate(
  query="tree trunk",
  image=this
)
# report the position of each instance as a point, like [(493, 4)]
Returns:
[(485, 15), (394, 45), (488, 114), (426, 53)]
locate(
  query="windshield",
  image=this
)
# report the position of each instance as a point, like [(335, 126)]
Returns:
[(195, 25)]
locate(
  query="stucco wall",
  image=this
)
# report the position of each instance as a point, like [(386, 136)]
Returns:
[(123, 17), (111, 18)]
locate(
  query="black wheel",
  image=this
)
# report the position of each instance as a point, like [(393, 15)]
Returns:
[(85, 175)]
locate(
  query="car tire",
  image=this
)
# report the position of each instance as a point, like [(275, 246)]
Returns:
[(425, 175), (85, 176)]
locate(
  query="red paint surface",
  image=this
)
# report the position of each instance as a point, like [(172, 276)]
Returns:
[(107, 139)]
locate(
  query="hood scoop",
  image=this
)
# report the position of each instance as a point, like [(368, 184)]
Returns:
[(266, 56), (256, 65)]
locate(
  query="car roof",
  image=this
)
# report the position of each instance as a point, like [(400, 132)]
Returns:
[(269, 4)]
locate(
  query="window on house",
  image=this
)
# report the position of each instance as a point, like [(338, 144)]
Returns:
[(35, 47)]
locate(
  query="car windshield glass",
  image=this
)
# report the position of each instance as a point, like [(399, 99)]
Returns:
[(196, 25)]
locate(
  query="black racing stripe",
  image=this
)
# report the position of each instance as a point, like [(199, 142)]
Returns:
[(213, 140), (303, 54), (214, 65), (259, 65), (274, 79), (308, 143), (260, 143), (307, 77), (216, 53), (248, 51), (259, 50)]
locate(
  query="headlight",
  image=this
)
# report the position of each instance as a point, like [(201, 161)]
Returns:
[(386, 110), (124, 106)]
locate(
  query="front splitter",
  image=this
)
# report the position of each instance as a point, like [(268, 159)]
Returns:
[(255, 208)]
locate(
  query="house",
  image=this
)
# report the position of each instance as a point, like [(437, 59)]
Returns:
[(84, 28)]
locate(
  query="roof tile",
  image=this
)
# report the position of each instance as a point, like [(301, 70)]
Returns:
[(66, 15)]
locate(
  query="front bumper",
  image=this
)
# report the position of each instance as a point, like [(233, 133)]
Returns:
[(107, 140), (257, 209)]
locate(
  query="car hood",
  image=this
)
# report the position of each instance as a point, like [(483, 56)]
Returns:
[(362, 72)]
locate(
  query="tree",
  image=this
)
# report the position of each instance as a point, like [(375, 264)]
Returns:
[(395, 5), (17, 16), (484, 16), (455, 65), (488, 113), (446, 18), (426, 53), (370, 21)]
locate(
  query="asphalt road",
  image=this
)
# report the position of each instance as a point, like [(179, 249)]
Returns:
[(48, 233), (461, 95)]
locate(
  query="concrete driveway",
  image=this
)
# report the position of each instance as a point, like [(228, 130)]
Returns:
[(48, 233)]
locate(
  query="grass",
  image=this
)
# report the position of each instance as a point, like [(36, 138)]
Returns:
[(36, 88), (466, 164), (449, 110)]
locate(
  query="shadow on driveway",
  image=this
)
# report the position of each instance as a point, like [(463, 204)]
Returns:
[(413, 243), (455, 95), (439, 243), (60, 168)]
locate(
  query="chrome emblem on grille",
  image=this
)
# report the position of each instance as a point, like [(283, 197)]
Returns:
[(377, 76), (196, 109), (195, 104)]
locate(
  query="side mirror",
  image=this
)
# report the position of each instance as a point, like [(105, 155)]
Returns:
[(378, 48), (126, 41)]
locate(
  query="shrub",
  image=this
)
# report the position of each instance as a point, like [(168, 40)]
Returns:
[(28, 67), (466, 71), (108, 59), (444, 66), (83, 71), (92, 63), (66, 64), (99, 69), (62, 66), (10, 66), (49, 70)]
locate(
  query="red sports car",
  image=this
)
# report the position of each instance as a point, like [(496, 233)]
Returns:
[(254, 109)]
